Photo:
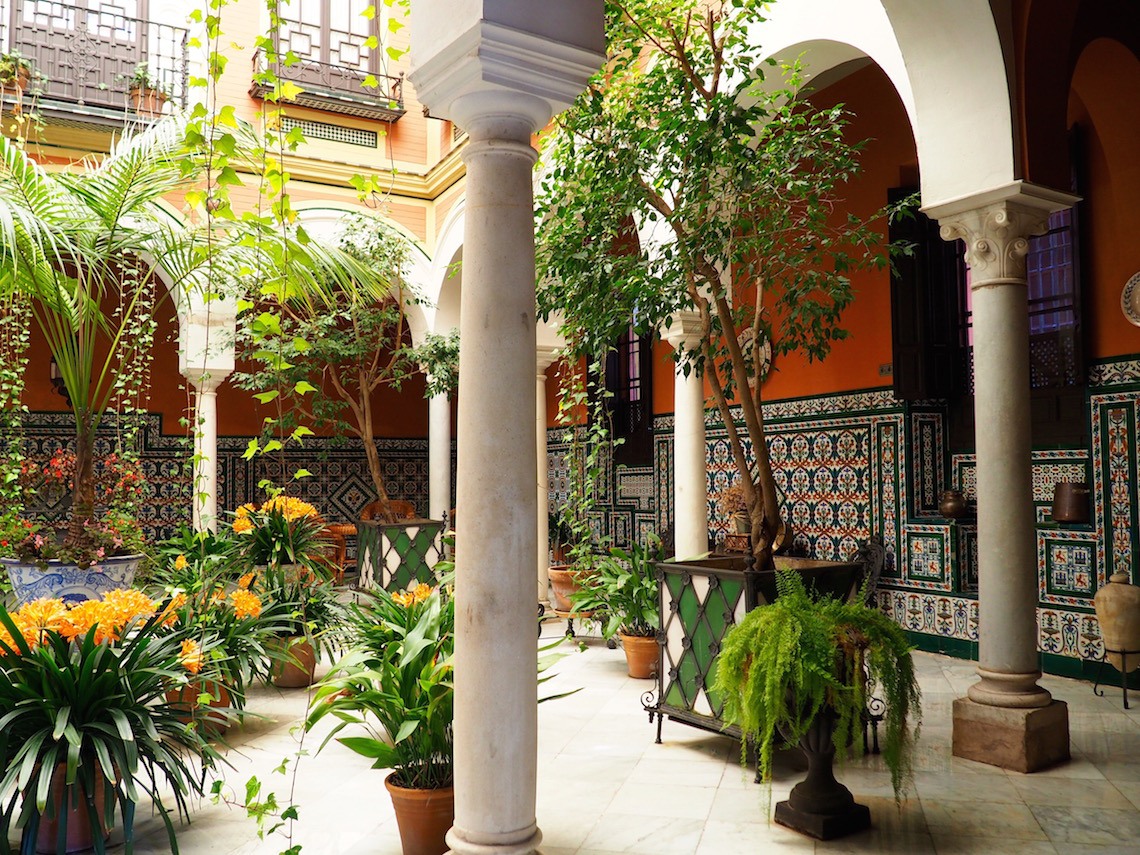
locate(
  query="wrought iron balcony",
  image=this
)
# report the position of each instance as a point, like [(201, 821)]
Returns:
[(335, 88), (86, 52)]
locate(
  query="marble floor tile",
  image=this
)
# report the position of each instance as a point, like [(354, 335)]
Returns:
[(1064, 825), (598, 760)]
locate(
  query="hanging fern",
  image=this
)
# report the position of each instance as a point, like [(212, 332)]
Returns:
[(787, 662)]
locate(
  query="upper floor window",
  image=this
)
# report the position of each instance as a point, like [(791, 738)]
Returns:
[(323, 47)]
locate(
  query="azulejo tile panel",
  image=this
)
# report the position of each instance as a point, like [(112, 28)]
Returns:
[(1114, 421), (928, 462), (339, 486), (926, 558), (1068, 570)]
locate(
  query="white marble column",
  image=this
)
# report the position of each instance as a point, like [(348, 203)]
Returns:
[(545, 358), (205, 486), (499, 71), (690, 479), (1007, 719), (439, 457)]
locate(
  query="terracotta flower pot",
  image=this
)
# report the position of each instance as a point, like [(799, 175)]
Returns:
[(563, 584), (148, 102), (294, 663), (79, 835), (214, 718), (641, 655), (423, 817)]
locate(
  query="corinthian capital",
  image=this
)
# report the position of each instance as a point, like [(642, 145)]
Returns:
[(996, 226)]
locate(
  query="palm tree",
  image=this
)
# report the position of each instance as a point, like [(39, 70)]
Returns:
[(86, 246)]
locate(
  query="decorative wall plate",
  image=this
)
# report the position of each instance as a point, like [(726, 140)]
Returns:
[(1130, 299)]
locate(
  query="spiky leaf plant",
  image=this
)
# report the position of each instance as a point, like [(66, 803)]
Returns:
[(788, 661)]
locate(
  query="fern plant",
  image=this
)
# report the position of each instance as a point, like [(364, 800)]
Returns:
[(788, 662)]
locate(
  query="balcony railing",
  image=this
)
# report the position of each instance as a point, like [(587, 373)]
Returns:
[(86, 54), (335, 88)]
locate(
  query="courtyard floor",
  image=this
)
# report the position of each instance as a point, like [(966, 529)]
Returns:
[(604, 786)]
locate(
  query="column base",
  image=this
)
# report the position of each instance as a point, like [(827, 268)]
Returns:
[(460, 845), (1019, 739)]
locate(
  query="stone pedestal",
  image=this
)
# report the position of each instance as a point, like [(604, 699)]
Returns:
[(1022, 740)]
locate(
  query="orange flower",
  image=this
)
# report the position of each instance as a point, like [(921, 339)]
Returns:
[(246, 604), (191, 656), (180, 562), (290, 508), (245, 510), (245, 581), (242, 525), (172, 613), (38, 617), (83, 616), (126, 604)]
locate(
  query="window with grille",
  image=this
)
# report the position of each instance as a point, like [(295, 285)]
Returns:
[(932, 328), (629, 403)]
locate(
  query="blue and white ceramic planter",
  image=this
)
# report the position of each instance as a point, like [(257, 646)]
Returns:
[(67, 582)]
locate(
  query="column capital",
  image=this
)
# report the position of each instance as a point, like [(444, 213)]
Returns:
[(683, 330), (206, 381), (482, 63), (545, 357), (996, 225)]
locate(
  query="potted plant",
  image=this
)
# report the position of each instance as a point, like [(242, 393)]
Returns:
[(236, 625), (85, 728), (310, 626), (622, 590), (734, 504), (796, 671), (396, 683), (148, 94), (283, 531), (734, 184), (15, 72), (109, 554)]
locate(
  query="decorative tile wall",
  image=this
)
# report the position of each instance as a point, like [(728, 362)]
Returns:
[(339, 486)]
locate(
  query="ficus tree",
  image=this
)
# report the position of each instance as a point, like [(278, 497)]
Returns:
[(733, 180), (322, 361)]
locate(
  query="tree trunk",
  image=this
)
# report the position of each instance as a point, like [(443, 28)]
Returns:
[(374, 468), (83, 491)]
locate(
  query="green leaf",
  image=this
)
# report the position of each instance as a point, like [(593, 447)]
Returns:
[(266, 397)]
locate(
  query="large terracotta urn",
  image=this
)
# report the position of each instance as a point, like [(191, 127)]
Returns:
[(1118, 612)]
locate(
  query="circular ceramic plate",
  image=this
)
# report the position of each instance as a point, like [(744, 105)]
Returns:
[(1130, 300)]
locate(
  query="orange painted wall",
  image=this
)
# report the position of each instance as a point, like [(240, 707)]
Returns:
[(1105, 103)]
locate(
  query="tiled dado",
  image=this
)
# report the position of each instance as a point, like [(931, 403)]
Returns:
[(1060, 632), (1114, 434), (1049, 468), (1070, 568), (940, 557), (339, 486)]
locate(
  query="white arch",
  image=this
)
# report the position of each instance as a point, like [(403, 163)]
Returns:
[(944, 59), (321, 219), (448, 252)]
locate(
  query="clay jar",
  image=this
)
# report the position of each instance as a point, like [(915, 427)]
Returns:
[(1118, 612), (952, 504)]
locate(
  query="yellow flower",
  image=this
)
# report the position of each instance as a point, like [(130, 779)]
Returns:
[(245, 581), (242, 525), (40, 616), (180, 562), (191, 656), (244, 511), (127, 604), (417, 595), (290, 508), (83, 616), (171, 615), (245, 604)]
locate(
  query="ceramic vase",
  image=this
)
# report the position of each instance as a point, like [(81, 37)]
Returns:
[(1118, 613)]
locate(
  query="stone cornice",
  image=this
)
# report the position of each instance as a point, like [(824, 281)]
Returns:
[(684, 330)]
